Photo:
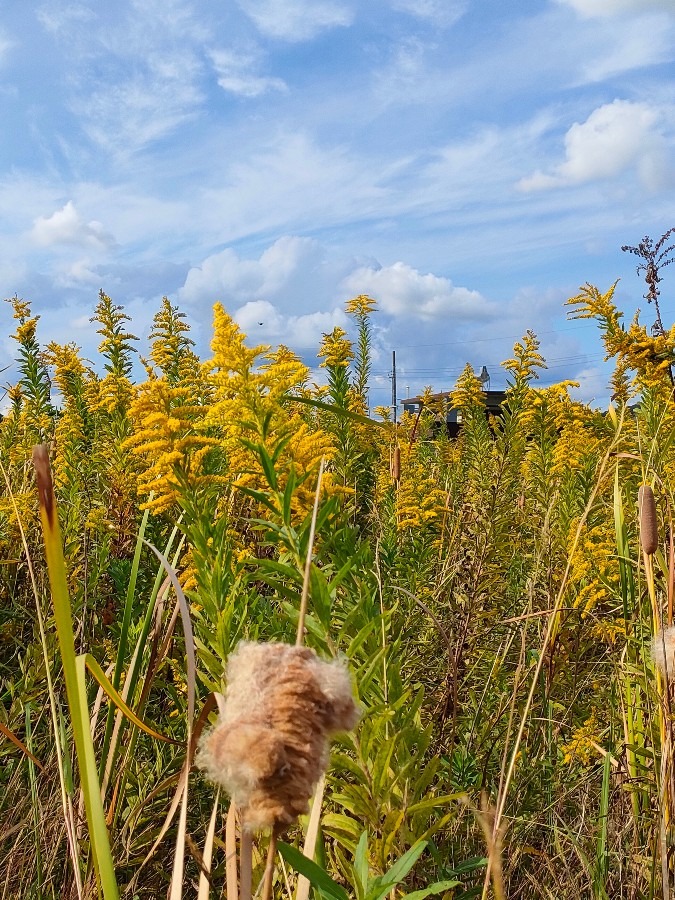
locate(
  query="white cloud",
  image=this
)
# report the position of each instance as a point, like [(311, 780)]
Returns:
[(607, 8), (282, 270), (401, 290), (133, 75), (77, 274), (6, 45), (296, 20), (626, 49), (616, 137), (290, 182), (440, 12), (593, 387), (57, 17), (65, 226), (236, 74), (264, 322), (128, 114)]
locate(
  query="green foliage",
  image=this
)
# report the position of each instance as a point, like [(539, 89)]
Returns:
[(491, 602)]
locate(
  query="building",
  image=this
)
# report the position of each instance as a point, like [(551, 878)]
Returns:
[(494, 401)]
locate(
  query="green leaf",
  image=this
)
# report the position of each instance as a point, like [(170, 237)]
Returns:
[(439, 887), (86, 659), (434, 802), (76, 688), (312, 872), (361, 866), (340, 411), (380, 887)]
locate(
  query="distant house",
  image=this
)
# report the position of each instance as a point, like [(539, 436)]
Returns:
[(494, 401)]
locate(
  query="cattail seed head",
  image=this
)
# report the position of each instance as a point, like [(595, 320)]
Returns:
[(396, 464), (649, 529), (663, 652), (270, 744)]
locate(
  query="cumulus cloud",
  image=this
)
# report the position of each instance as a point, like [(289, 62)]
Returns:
[(77, 274), (66, 226), (237, 74), (263, 321), (296, 20), (616, 137), (401, 290), (226, 276), (607, 8)]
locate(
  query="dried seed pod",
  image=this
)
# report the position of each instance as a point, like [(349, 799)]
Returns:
[(649, 529), (663, 652), (396, 464), (270, 745)]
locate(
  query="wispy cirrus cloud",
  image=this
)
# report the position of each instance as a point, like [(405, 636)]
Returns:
[(609, 8), (237, 73), (438, 12), (133, 78), (296, 20)]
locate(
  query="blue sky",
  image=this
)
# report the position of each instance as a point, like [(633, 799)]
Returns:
[(468, 163)]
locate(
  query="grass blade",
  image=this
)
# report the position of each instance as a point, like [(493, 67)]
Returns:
[(74, 677), (8, 733)]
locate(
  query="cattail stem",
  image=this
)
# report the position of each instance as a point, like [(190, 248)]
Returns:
[(246, 865)]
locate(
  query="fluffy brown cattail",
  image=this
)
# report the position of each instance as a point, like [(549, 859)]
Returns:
[(663, 652), (649, 529), (270, 745)]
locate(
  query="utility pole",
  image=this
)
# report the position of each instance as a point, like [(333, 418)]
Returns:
[(394, 404)]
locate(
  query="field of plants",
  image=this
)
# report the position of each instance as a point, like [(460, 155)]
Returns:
[(491, 598)]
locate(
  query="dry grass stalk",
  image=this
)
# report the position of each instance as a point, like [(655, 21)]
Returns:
[(302, 612), (231, 875), (494, 839), (268, 876)]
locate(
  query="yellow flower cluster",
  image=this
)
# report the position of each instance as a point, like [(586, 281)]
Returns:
[(609, 631), (253, 393), (468, 392), (166, 435), (420, 502), (69, 370), (362, 305), (583, 745), (593, 572), (335, 349), (649, 356), (526, 359)]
